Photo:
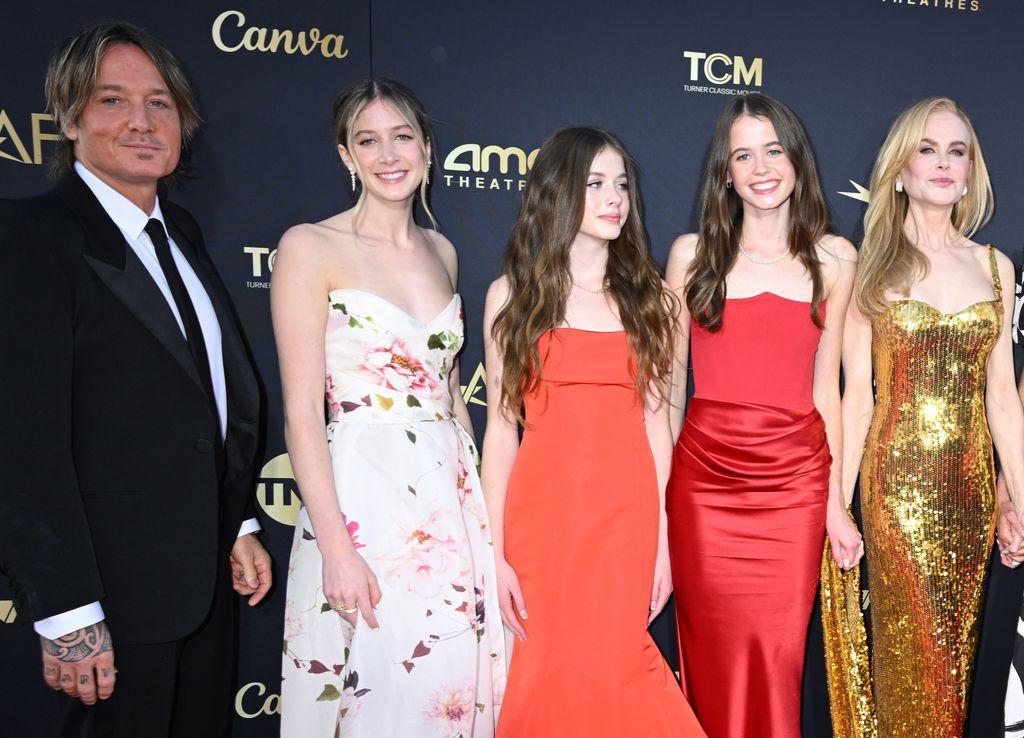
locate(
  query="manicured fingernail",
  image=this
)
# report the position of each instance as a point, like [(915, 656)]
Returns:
[(846, 563), (523, 615)]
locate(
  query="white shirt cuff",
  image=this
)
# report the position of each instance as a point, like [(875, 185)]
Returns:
[(252, 525), (68, 622)]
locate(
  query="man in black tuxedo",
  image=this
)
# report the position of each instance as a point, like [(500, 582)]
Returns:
[(130, 411)]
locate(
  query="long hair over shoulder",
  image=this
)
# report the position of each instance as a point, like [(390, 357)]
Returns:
[(536, 266), (721, 211), (889, 260)]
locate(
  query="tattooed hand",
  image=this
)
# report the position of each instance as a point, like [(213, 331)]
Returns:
[(81, 663)]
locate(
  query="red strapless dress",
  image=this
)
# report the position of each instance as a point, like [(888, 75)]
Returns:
[(746, 511), (581, 531)]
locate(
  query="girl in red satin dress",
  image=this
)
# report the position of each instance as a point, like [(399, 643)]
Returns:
[(579, 349), (755, 474)]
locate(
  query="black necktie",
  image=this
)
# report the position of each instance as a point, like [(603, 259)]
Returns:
[(193, 331)]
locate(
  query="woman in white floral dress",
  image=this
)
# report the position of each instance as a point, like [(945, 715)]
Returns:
[(391, 620)]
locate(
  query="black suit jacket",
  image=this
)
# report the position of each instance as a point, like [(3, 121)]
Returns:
[(111, 490)]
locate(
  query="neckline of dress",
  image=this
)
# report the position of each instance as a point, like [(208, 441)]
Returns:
[(386, 301), (768, 293), (908, 300), (587, 330)]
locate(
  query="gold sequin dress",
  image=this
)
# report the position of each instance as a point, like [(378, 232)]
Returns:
[(928, 504)]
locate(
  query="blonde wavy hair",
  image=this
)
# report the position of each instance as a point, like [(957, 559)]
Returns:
[(889, 260)]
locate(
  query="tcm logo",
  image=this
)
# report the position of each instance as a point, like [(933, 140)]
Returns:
[(263, 259), (277, 492), (251, 703), (12, 146), (722, 69), (510, 161)]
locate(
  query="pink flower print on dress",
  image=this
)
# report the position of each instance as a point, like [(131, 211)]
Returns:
[(330, 393), (352, 527), (426, 558), (454, 708), (394, 367)]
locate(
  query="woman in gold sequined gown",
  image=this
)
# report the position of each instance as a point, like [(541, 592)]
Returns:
[(930, 317)]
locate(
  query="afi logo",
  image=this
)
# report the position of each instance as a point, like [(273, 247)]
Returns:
[(12, 147), (723, 69)]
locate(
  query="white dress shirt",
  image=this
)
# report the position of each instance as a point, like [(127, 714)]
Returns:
[(131, 220)]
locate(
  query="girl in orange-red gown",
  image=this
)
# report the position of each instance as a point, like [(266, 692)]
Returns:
[(578, 346), (765, 290)]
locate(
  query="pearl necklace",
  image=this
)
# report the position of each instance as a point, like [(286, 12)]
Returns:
[(759, 260)]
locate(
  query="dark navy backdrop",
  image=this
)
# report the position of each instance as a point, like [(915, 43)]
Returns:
[(498, 78)]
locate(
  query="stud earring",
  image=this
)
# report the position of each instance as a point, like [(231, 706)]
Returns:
[(352, 174), (899, 185), (964, 193), (728, 184)]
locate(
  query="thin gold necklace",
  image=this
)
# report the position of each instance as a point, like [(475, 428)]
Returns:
[(587, 289), (759, 260)]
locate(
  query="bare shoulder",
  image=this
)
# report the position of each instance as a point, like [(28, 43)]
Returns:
[(1004, 261), (497, 296), (680, 255), (314, 248), (1007, 269), (445, 251), (836, 249)]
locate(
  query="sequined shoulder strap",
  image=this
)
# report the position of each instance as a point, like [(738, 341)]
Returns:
[(996, 284)]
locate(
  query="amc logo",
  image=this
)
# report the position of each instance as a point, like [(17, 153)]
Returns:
[(723, 69), (277, 492), (474, 158), (12, 146)]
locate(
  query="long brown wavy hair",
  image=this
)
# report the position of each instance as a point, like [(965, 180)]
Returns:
[(721, 211), (536, 266), (889, 260)]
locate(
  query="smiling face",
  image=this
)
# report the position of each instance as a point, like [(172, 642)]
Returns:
[(760, 170), (385, 153), (606, 206), (938, 172), (129, 132)]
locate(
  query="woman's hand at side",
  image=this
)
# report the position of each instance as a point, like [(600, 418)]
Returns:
[(510, 599), (351, 587)]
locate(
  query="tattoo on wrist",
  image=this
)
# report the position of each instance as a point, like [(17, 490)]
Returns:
[(90, 641)]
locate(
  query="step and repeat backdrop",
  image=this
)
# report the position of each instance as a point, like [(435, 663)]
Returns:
[(498, 78)]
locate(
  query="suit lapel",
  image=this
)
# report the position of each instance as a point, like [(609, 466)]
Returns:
[(116, 264)]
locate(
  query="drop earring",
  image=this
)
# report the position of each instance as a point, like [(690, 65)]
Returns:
[(352, 174), (899, 185), (428, 170)]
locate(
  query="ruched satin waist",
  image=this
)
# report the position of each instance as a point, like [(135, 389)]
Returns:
[(759, 446)]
